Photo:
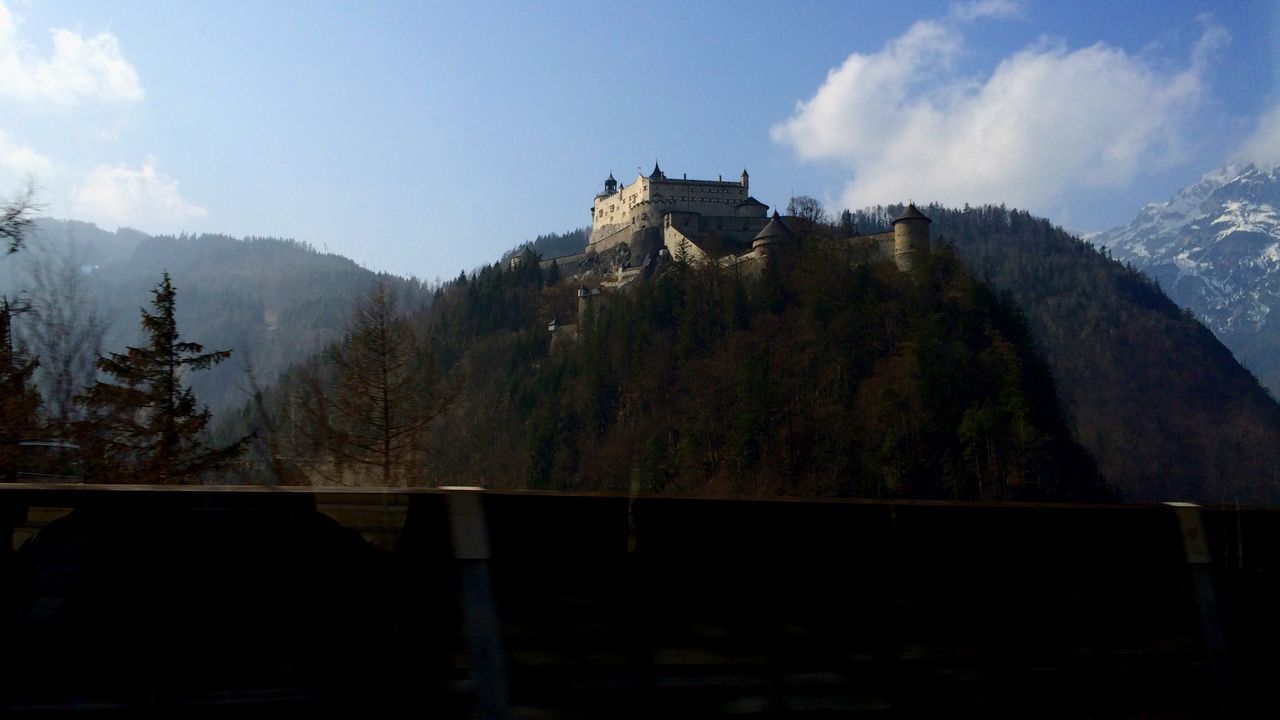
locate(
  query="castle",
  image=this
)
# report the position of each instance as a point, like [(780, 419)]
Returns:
[(653, 210), (718, 220), (637, 227)]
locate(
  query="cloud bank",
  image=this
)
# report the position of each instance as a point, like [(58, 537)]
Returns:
[(1263, 145), (79, 69), (1048, 119), (114, 195), (85, 70), (23, 161)]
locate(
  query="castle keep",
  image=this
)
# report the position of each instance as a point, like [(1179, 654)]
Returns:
[(718, 220), (642, 214), (636, 228)]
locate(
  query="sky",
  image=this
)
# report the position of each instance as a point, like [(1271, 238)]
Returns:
[(427, 138)]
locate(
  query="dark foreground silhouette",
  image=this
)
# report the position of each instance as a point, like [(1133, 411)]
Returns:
[(255, 602)]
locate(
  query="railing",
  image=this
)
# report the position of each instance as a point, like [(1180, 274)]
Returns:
[(461, 603)]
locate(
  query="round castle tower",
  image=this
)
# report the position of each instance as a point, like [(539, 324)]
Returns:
[(773, 236), (910, 237)]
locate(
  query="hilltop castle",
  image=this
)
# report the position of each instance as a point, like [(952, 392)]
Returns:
[(636, 228), (653, 207), (718, 220)]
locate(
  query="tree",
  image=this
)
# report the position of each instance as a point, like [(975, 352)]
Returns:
[(809, 211), (847, 226), (64, 330), (16, 217), (384, 394), (18, 400), (147, 424)]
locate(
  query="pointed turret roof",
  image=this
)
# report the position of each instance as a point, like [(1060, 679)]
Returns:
[(911, 213), (775, 231), (657, 173)]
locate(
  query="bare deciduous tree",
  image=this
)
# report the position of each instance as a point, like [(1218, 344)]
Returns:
[(16, 216), (64, 329), (808, 210), (383, 395)]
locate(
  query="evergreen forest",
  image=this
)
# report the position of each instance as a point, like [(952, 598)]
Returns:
[(1162, 405), (1016, 363), (816, 377)]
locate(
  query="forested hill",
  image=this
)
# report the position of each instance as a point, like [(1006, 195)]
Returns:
[(818, 379), (1161, 404), (553, 245), (272, 302)]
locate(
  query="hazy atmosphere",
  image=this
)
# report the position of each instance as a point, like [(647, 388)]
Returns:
[(426, 138)]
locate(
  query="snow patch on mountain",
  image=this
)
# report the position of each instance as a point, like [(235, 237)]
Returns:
[(1215, 248), (1245, 217)]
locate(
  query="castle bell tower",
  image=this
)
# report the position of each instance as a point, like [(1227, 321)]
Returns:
[(910, 237), (610, 185), (746, 181)]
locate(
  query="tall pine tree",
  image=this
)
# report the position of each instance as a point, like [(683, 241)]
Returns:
[(145, 424)]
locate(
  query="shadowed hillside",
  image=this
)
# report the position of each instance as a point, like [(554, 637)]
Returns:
[(1160, 403), (817, 377)]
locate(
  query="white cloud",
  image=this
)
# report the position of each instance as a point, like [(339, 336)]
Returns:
[(79, 69), (1263, 145), (142, 197), (1048, 119), (986, 9), (21, 160)]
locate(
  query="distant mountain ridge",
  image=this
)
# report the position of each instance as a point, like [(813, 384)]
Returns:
[(273, 302), (1214, 247)]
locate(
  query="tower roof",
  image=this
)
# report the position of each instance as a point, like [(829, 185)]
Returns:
[(775, 231), (911, 213), (657, 173)]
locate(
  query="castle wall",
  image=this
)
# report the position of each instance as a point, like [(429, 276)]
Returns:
[(644, 203), (876, 247), (676, 241)]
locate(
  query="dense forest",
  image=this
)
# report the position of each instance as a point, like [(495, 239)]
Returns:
[(1161, 404), (973, 377), (816, 377)]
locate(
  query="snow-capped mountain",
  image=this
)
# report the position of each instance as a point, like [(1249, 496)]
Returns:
[(1215, 249)]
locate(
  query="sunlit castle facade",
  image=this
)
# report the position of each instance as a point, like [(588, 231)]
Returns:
[(632, 226), (640, 214)]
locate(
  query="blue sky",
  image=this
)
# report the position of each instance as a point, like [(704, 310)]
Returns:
[(424, 138)]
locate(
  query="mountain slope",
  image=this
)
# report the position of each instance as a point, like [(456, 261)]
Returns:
[(813, 378), (1159, 402), (1215, 249), (272, 302)]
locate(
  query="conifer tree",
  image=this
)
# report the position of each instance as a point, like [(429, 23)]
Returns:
[(18, 400), (382, 399), (147, 424)]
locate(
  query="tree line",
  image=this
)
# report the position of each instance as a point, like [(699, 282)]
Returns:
[(818, 376), (127, 416)]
